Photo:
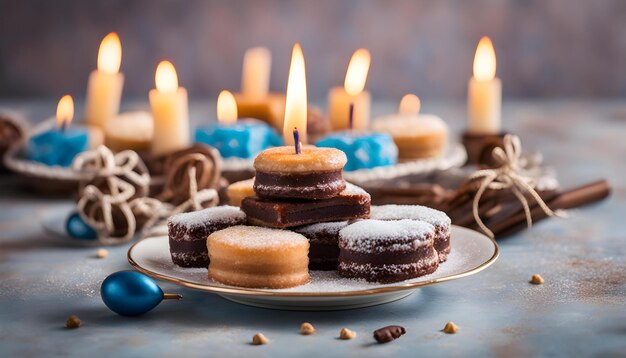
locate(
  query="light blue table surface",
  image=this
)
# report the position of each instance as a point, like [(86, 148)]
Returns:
[(579, 311)]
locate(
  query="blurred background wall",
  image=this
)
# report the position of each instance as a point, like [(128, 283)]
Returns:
[(545, 48)]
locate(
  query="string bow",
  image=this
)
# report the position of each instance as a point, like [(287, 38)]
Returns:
[(510, 173)]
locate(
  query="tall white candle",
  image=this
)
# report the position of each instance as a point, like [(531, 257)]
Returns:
[(104, 89), (296, 101), (340, 99), (484, 100), (255, 76), (170, 110), (410, 104)]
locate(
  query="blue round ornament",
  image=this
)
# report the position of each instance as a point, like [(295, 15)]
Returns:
[(130, 293), (77, 228)]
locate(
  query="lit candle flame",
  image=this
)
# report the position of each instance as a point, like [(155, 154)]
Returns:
[(65, 111), (226, 108), (410, 105), (485, 60), (296, 98), (165, 77), (110, 54), (357, 72)]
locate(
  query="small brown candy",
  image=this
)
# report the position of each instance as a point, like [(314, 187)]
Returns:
[(73, 322), (101, 253), (259, 339), (346, 334), (388, 334), (450, 328), (537, 280), (307, 329)]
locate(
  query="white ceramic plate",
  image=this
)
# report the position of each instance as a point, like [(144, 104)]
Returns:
[(471, 253)]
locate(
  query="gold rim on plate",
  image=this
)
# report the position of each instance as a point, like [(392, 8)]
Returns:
[(264, 292)]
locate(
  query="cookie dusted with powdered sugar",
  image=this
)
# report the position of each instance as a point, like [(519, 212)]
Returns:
[(188, 233), (352, 203), (313, 173), (250, 256), (436, 218), (387, 251), (324, 240)]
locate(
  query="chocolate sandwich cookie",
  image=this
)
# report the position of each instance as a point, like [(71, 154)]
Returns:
[(387, 251), (324, 240), (352, 203), (314, 173), (436, 218), (188, 233)]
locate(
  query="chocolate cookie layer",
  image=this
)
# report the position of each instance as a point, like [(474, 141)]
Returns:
[(188, 233), (324, 241), (387, 251), (313, 185), (436, 218), (352, 203)]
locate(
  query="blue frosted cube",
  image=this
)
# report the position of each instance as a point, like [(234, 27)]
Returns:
[(243, 139), (56, 147), (364, 150)]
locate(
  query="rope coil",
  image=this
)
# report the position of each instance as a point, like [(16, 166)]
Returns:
[(510, 174), (114, 201)]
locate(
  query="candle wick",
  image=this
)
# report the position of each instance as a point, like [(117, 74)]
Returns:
[(63, 126), (296, 140), (351, 116)]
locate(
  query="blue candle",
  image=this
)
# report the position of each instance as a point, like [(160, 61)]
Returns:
[(59, 145), (364, 150), (236, 138)]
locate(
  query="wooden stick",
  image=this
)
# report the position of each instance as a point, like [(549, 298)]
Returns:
[(572, 198)]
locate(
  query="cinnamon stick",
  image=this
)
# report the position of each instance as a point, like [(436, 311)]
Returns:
[(572, 198)]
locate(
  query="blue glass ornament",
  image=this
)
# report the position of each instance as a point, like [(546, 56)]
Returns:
[(77, 228), (130, 293)]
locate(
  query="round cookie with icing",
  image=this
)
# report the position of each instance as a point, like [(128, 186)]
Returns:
[(188, 233), (324, 241), (314, 173), (257, 257), (417, 136), (387, 251), (436, 218)]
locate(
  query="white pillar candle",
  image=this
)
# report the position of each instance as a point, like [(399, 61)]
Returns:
[(340, 99), (255, 76), (296, 101), (255, 100), (409, 105), (484, 100), (170, 111), (104, 89)]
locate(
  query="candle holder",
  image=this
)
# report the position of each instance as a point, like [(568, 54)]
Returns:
[(11, 133), (39, 177), (480, 146)]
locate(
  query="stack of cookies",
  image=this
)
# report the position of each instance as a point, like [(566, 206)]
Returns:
[(299, 189), (299, 214)]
